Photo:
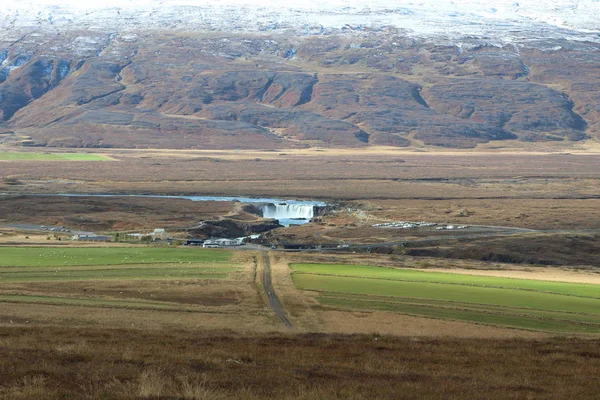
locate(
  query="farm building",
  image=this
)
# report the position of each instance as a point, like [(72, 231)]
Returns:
[(228, 242), (194, 242), (222, 242), (90, 238)]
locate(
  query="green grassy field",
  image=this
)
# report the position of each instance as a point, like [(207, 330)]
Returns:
[(23, 271), (519, 303), (16, 156), (73, 256), (582, 290), (115, 272)]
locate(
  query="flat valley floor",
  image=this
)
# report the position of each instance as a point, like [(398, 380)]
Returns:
[(505, 308)]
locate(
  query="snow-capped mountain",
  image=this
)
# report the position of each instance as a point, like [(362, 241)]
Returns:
[(501, 20), (267, 75)]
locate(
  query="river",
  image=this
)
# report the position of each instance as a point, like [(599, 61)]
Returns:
[(287, 212)]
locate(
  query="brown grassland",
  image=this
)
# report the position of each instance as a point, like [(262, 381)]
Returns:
[(327, 175), (95, 363), (109, 214)]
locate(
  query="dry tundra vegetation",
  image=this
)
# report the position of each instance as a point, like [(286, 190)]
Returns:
[(496, 313), (94, 363)]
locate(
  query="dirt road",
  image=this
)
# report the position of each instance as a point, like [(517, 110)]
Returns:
[(272, 300)]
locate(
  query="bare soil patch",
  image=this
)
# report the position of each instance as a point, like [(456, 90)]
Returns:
[(300, 307), (194, 292), (542, 274), (383, 323)]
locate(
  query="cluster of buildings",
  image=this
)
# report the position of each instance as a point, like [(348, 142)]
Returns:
[(413, 225), (160, 234), (213, 243), (450, 227), (90, 237), (405, 225)]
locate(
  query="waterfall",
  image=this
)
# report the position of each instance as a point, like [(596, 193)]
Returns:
[(288, 213)]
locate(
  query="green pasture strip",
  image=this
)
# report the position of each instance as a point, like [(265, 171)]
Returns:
[(23, 156), (445, 292), (84, 157), (572, 289), (42, 269), (85, 302), (125, 273), (554, 315), (47, 256), (469, 316)]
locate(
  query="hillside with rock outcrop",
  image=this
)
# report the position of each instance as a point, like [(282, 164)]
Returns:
[(144, 87)]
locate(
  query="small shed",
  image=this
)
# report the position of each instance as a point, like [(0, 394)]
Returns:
[(210, 243), (91, 238), (224, 242), (194, 242)]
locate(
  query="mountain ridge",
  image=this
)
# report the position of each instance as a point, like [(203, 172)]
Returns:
[(145, 86)]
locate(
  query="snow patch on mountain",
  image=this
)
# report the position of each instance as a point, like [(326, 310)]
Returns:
[(501, 20)]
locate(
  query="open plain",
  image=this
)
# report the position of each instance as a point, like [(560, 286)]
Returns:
[(389, 308), (138, 322), (236, 199)]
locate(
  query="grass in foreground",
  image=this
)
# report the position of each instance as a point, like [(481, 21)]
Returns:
[(126, 265), (116, 272), (89, 302), (350, 270), (519, 303), (17, 156), (58, 363), (52, 257)]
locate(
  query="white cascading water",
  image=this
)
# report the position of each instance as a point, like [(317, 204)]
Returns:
[(289, 213)]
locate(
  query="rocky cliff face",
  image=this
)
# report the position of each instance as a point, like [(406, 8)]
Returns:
[(356, 86), (227, 228)]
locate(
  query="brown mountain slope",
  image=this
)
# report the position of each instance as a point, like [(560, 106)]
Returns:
[(222, 91)]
